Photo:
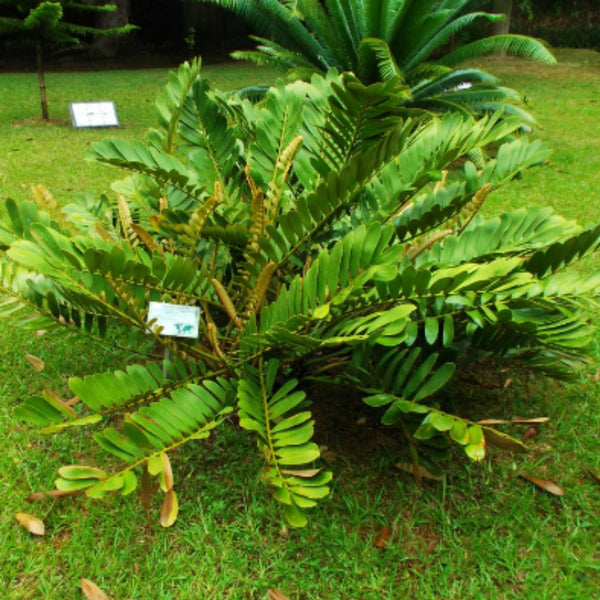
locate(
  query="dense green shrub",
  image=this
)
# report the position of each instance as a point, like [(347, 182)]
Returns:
[(417, 44), (325, 237)]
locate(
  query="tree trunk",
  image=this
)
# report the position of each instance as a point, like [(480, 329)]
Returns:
[(41, 78), (108, 45), (502, 7)]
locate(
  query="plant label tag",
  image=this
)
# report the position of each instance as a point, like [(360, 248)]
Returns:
[(93, 114), (176, 320)]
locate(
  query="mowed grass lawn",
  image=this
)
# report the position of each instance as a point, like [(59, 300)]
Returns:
[(483, 533)]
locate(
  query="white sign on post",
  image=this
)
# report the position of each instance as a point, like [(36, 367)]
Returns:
[(176, 320), (93, 114)]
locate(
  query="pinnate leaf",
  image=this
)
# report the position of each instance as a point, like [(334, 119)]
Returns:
[(418, 471)]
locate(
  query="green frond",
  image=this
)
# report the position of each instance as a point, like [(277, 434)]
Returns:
[(430, 211), (206, 137), (440, 34), (269, 53), (338, 193), (429, 151), (275, 125), (136, 157), (170, 104), (450, 81), (515, 45), (466, 433), (360, 257), (386, 62), (277, 20), (285, 429), (560, 254), (339, 32), (188, 413)]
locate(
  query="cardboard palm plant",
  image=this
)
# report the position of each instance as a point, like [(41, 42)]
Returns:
[(323, 237)]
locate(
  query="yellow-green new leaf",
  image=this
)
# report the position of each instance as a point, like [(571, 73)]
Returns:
[(129, 483), (81, 472), (155, 464), (475, 449), (295, 517), (299, 455), (108, 485), (72, 485)]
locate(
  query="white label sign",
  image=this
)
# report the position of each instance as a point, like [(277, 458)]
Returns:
[(93, 114), (176, 320)]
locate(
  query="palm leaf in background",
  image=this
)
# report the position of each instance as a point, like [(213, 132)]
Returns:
[(410, 42)]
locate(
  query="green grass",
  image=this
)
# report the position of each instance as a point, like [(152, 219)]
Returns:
[(565, 100), (484, 533), (51, 154)]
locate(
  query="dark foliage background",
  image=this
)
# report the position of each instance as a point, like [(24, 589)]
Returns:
[(183, 28)]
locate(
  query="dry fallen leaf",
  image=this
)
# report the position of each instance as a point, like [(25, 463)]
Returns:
[(307, 473), (37, 363), (59, 401), (327, 455), (597, 375), (37, 496), (492, 422), (275, 594), (418, 471), (383, 539), (91, 591), (169, 509), (529, 421), (545, 484), (594, 476), (514, 421), (32, 523)]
